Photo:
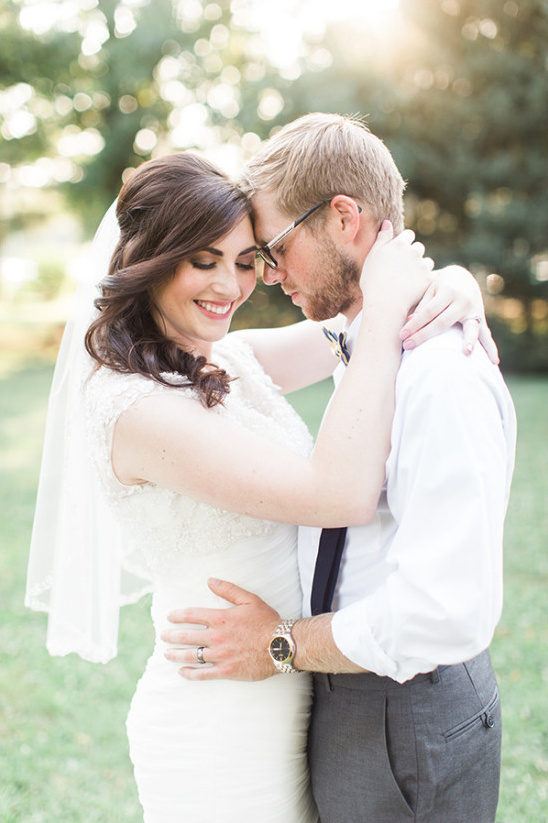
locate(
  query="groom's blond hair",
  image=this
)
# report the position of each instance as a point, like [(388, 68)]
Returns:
[(320, 155)]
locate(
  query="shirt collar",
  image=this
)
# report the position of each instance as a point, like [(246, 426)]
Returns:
[(352, 332)]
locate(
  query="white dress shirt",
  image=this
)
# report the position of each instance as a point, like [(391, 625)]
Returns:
[(421, 585)]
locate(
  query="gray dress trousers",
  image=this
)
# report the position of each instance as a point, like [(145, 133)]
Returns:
[(427, 750)]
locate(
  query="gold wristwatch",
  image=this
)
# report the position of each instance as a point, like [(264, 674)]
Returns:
[(282, 647)]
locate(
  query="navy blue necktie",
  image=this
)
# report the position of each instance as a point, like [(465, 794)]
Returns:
[(328, 563), (331, 546)]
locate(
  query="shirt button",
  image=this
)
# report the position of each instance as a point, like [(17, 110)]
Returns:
[(489, 721)]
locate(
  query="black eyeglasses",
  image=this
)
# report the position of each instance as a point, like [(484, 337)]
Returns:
[(264, 252)]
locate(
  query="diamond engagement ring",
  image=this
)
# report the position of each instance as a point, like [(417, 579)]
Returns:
[(200, 654)]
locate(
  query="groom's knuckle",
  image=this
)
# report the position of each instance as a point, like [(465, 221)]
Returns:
[(217, 644), (216, 638)]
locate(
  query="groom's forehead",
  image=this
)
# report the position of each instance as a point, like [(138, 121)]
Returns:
[(268, 221)]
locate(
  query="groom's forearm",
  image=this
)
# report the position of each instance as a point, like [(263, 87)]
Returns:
[(234, 641), (316, 649)]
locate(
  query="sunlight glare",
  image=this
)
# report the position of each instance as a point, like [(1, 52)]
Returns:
[(374, 11), (284, 24)]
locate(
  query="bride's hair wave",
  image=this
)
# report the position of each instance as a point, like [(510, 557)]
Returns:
[(169, 209)]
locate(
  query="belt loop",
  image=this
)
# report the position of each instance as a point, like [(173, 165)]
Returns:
[(326, 679), (435, 676), (322, 681)]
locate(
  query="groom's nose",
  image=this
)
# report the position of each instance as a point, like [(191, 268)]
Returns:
[(272, 276)]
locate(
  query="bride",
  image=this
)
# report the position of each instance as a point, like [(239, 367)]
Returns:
[(172, 456)]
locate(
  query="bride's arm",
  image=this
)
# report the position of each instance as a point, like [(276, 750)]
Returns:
[(297, 355), (174, 442), (294, 356)]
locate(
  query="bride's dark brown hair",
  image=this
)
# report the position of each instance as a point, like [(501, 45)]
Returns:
[(170, 208)]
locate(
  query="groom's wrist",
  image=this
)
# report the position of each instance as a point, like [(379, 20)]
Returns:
[(317, 650)]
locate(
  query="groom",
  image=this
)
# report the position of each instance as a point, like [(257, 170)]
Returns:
[(406, 721)]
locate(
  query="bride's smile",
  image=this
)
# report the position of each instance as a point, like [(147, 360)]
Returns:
[(220, 309)]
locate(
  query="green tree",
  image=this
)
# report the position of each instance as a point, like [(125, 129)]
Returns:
[(462, 104), (116, 71), (478, 131), (126, 78)]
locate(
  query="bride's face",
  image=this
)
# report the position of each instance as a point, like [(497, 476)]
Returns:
[(196, 306)]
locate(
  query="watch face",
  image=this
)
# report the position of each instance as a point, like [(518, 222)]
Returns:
[(280, 649)]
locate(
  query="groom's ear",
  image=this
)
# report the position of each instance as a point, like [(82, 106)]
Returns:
[(353, 226), (345, 217)]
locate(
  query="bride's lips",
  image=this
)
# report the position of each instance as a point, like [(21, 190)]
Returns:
[(214, 309)]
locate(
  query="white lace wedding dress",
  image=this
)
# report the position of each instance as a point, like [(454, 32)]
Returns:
[(217, 751)]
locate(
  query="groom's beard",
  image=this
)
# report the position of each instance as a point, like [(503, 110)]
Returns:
[(338, 286)]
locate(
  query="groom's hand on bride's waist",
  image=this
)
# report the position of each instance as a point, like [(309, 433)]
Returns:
[(231, 643)]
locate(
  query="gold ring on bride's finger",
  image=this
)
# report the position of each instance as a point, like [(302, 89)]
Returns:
[(200, 654)]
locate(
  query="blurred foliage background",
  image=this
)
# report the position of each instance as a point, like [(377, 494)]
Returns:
[(456, 88)]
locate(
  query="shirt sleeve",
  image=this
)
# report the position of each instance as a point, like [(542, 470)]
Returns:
[(447, 487)]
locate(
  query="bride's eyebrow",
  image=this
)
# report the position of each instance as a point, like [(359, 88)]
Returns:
[(248, 251), (219, 253)]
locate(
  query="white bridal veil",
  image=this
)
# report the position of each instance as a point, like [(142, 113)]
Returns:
[(76, 568)]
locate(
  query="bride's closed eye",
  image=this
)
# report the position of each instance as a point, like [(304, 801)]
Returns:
[(198, 264), (205, 266)]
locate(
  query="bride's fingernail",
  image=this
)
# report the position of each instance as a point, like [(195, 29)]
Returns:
[(468, 349), (404, 334), (409, 344)]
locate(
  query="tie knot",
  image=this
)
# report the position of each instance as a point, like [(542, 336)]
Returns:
[(337, 344)]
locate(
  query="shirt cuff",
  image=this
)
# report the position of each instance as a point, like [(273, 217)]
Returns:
[(354, 639)]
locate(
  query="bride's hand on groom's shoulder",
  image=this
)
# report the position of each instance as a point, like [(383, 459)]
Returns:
[(233, 641), (454, 296)]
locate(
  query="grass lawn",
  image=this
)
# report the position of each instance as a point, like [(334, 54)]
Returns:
[(64, 754)]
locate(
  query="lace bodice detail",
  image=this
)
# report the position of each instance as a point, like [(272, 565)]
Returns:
[(168, 527)]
